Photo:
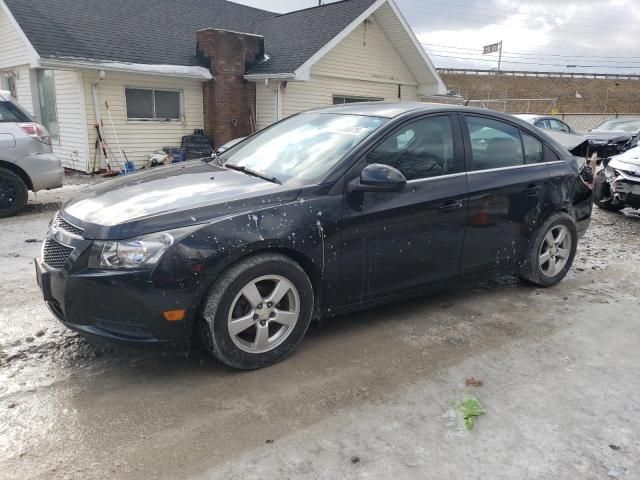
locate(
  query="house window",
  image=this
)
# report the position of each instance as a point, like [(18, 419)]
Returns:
[(341, 99), (8, 82), (157, 105), (47, 102)]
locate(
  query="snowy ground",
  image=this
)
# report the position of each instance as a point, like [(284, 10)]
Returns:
[(371, 395)]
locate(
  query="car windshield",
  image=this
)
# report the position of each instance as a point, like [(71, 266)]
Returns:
[(629, 126), (11, 113), (303, 148)]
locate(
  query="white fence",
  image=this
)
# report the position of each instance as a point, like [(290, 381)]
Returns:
[(583, 122)]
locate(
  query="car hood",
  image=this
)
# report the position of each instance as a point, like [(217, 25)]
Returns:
[(617, 136), (628, 161), (168, 197)]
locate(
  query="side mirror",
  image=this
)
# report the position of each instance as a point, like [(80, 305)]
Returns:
[(379, 178)]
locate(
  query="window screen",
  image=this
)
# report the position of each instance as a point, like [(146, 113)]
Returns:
[(494, 144), (47, 102), (422, 149), (341, 99), (145, 104)]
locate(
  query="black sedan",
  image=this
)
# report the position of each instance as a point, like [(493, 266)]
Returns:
[(324, 213)]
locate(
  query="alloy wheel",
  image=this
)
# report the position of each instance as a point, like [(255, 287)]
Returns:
[(555, 250), (8, 193), (263, 314)]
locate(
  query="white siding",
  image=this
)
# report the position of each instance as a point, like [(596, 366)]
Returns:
[(319, 92), (24, 88), (72, 147), (365, 54), (265, 105), (13, 48), (364, 64), (138, 139)]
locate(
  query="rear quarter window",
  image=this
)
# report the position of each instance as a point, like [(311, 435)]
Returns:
[(11, 113)]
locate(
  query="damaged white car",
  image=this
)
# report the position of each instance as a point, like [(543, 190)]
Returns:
[(618, 182)]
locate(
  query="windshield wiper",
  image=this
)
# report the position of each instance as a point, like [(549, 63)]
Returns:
[(253, 173)]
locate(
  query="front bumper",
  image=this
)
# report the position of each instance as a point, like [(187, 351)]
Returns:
[(44, 169), (116, 306), (626, 188)]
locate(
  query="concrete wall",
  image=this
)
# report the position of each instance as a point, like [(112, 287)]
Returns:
[(598, 94)]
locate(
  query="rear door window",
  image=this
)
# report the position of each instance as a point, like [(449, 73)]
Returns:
[(533, 149), (11, 113), (559, 126), (543, 124), (494, 144)]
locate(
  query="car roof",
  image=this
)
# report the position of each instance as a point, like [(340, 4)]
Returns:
[(395, 109)]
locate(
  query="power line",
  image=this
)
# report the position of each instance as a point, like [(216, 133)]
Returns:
[(538, 57), (535, 63), (527, 54)]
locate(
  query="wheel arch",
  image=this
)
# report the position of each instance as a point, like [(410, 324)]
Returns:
[(18, 171)]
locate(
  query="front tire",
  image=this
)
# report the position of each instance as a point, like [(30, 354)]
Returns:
[(551, 251), (602, 195), (13, 193), (258, 311)]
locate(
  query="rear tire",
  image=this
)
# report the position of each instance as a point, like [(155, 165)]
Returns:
[(13, 193), (602, 195), (551, 251), (258, 311)]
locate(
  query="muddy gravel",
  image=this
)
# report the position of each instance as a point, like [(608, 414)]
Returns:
[(371, 395)]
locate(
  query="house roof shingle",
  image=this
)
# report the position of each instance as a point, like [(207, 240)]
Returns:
[(164, 31)]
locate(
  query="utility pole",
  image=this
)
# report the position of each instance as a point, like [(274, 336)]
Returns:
[(500, 57)]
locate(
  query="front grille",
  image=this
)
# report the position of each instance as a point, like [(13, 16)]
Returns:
[(55, 254), (62, 224)]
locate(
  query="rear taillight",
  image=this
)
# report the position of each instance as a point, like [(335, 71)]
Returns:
[(37, 132)]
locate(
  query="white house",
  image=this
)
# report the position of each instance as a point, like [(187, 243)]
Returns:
[(167, 68)]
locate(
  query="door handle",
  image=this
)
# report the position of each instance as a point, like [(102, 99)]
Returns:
[(450, 205), (532, 190)]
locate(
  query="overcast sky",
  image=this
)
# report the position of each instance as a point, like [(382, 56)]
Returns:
[(544, 35)]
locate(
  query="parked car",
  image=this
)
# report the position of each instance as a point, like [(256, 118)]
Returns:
[(324, 213), (547, 122), (618, 127), (27, 161), (603, 142), (617, 183)]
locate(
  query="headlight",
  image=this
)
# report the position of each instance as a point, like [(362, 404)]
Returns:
[(134, 253), (610, 171)]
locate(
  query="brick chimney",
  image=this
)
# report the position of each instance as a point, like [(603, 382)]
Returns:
[(229, 100)]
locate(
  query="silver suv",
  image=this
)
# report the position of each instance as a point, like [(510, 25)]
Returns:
[(27, 161)]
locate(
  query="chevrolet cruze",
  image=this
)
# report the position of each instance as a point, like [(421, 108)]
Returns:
[(324, 213)]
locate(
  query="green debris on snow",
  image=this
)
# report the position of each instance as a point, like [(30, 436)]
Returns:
[(471, 409)]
